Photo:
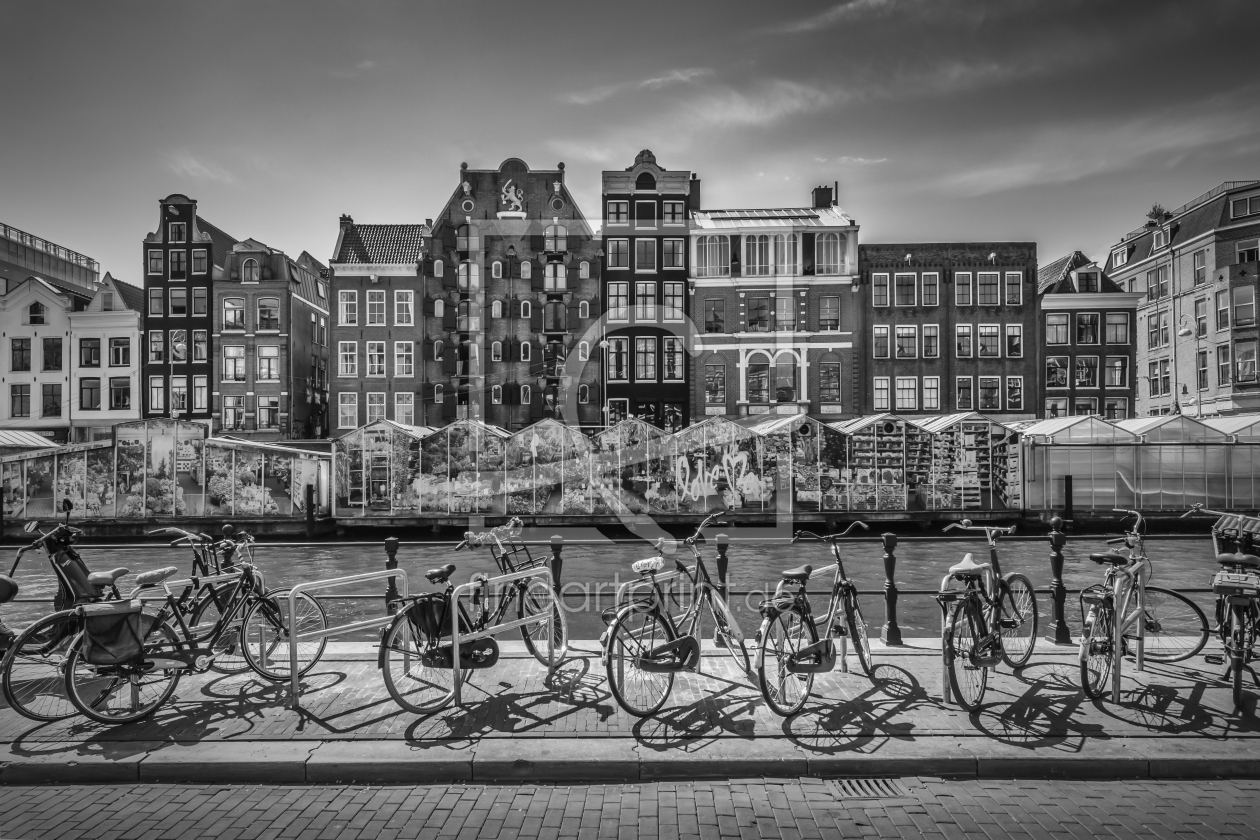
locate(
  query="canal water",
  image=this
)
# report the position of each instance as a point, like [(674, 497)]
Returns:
[(592, 572)]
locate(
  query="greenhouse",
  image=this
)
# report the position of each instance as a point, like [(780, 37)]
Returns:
[(548, 470), (887, 454), (973, 464), (804, 458), (377, 469), (717, 464), (631, 470)]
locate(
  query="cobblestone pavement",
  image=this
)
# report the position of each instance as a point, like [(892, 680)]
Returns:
[(790, 808)]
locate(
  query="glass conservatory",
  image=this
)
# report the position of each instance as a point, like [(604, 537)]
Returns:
[(804, 458), (631, 471), (717, 464), (548, 470), (378, 469), (462, 469), (973, 464)]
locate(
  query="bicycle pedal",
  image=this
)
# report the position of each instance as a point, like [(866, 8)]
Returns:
[(1214, 659)]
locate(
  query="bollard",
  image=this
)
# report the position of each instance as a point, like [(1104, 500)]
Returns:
[(310, 511), (557, 561), (391, 563), (1062, 635), (723, 543), (891, 634)]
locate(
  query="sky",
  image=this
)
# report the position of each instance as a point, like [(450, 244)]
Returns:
[(981, 120)]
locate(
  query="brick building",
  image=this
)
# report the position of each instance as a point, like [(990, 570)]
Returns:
[(950, 327), (1089, 340), (511, 302), (646, 217), (183, 259), (1196, 268), (377, 323), (775, 306), (270, 346)]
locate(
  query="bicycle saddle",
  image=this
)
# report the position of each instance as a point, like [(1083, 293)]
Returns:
[(107, 578), (968, 567), (651, 565), (156, 576), (1115, 558), (440, 575), (1238, 559), (798, 575)]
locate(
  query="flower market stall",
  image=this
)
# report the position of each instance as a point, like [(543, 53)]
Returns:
[(973, 464), (805, 459), (549, 470), (886, 455), (631, 471), (717, 464), (462, 469), (378, 469)]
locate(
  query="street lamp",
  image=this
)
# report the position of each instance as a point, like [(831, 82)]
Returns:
[(1186, 332), (603, 390), (179, 352)]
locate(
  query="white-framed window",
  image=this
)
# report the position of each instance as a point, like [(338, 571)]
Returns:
[(157, 393), (555, 277), (988, 343), (673, 359), (438, 347), (527, 395), (199, 261), (178, 232), (787, 254), (964, 395), (556, 238), (496, 310), (439, 308), (828, 254), (348, 308), (1014, 393), (907, 393), (879, 290), (469, 276), (249, 271), (347, 410), (496, 395), (673, 253), (905, 288), (673, 213), (404, 358), (1116, 408), (931, 393), (1056, 328), (155, 261), (268, 412), (157, 346), (584, 351), (1086, 371), (527, 270), (907, 342), (179, 392), (1014, 341), (375, 406), (988, 288), (233, 364), (179, 265), (1117, 375), (879, 341), (526, 351), (405, 408), (1014, 288), (1245, 206), (645, 301), (439, 393), (931, 341), (645, 358), (618, 359), (234, 313), (584, 270), (201, 393), (757, 255), (404, 311), (618, 212), (713, 256), (496, 351), (963, 343), (1056, 407), (584, 310), (496, 270), (348, 358), (438, 268), (618, 253), (962, 289), (990, 393), (269, 363), (645, 255), (619, 301), (527, 310), (672, 303), (880, 394), (1159, 240), (584, 394), (1119, 257), (931, 282)]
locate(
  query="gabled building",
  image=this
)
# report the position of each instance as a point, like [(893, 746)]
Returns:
[(1196, 269), (1089, 341), (647, 212), (775, 304)]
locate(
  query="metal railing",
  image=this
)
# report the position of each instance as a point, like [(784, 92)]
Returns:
[(39, 244)]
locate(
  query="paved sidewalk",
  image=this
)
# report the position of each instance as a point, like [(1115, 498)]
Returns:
[(517, 725)]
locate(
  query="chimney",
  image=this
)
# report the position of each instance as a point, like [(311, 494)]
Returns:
[(694, 198), (822, 197), (835, 196), (346, 221), (428, 223)]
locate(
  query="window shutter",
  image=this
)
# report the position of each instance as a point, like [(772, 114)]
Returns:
[(516, 269), (487, 398), (449, 356), (596, 262), (450, 279), (428, 307), (511, 393), (538, 279), (537, 242), (575, 277), (807, 253), (448, 317), (536, 318), (426, 393), (736, 256), (535, 403), (428, 350), (574, 320), (512, 350), (449, 406), (426, 267), (448, 237)]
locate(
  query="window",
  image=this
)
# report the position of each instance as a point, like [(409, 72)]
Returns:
[(375, 406), (376, 308), (645, 301), (527, 395), (201, 393), (1087, 328), (268, 412), (1165, 319), (527, 309), (673, 359), (962, 289), (554, 277), (439, 308), (990, 393), (233, 313), (467, 275), (715, 384), (1200, 267), (1159, 239), (907, 342), (673, 253), (1014, 288), (1056, 329), (179, 345), (1162, 277), (786, 254), (879, 342), (1014, 341), (618, 253), (89, 353), (673, 302), (673, 213), (157, 394), (1056, 371), (496, 270), (1222, 310), (1152, 379), (1245, 361), (179, 265), (931, 289), (526, 351), (199, 262), (496, 395), (618, 301), (786, 378), (199, 301), (1240, 207), (1152, 331), (879, 290), (201, 346), (645, 255), (119, 352), (829, 313), (1120, 256), (714, 315), (375, 358), (829, 382), (880, 394), (555, 316), (584, 394), (1083, 406), (964, 341), (618, 212), (157, 346), (269, 363), (1056, 407), (757, 255), (757, 379), (987, 289), (179, 393), (348, 307), (1200, 318), (1014, 393), (931, 393), (827, 254), (438, 268), (119, 393), (107, 301), (1117, 372), (758, 314), (713, 256), (784, 313), (157, 303), (347, 410), (1222, 364), (496, 310), (1086, 371), (19, 400), (618, 359), (90, 394), (988, 341), (155, 262), (1244, 305), (905, 289), (584, 351), (931, 341), (321, 336), (645, 359), (1201, 369), (233, 364), (1117, 328), (645, 215), (1115, 408), (907, 393), (177, 232), (1086, 282), (269, 313), (179, 302), (404, 358), (405, 408), (1249, 251), (249, 271)]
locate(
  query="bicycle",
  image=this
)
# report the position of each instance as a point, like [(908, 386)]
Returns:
[(416, 657), (124, 662), (800, 646), (1126, 613), (1237, 590), (644, 646), (992, 619)]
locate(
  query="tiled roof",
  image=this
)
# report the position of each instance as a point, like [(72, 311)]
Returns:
[(132, 297), (220, 242), (382, 244), (781, 218), (1196, 222), (303, 272), (1055, 277)]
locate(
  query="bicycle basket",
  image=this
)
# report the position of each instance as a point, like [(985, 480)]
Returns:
[(115, 632)]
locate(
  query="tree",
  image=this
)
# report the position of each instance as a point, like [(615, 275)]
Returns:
[(1157, 212)]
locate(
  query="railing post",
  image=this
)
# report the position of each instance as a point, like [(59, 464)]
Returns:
[(557, 562), (891, 634), (391, 563), (1062, 634), (723, 543), (310, 511)]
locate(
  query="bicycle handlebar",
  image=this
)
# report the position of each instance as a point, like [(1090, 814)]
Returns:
[(830, 538), (691, 541), (989, 531), (1137, 526), (1199, 508)]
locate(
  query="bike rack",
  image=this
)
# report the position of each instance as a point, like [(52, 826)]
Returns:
[(946, 697), (149, 593), (542, 573), (1117, 639), (329, 583)]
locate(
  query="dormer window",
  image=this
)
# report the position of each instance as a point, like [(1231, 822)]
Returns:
[(1248, 206), (1087, 281), (1120, 256), (1160, 239), (36, 313), (249, 271), (178, 232)]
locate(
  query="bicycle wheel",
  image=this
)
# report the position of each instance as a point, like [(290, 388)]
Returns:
[(1019, 619), (968, 681), (123, 693), (1097, 653), (782, 638), (265, 633), (229, 657), (415, 678), (858, 636), (1176, 628), (724, 632), (633, 635), (533, 599), (34, 678)]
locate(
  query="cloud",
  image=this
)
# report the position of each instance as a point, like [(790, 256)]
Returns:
[(847, 10), (673, 77), (853, 161), (355, 72), (186, 165), (765, 104)]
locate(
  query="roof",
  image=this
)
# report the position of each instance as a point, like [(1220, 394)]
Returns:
[(1245, 426), (1171, 428), (791, 217), (69, 288), (767, 424), (220, 242), (944, 421), (381, 244), (132, 297), (1085, 428), (16, 437), (1193, 222), (1055, 278)]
